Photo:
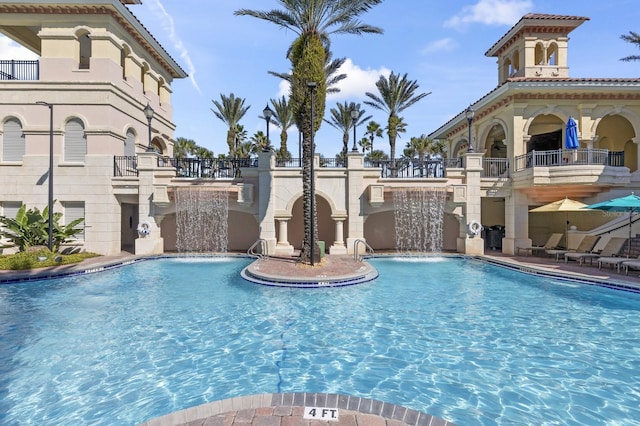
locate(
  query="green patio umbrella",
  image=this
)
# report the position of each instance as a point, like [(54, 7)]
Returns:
[(630, 203)]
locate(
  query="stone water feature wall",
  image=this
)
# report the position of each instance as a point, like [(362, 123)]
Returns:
[(201, 220), (419, 219)]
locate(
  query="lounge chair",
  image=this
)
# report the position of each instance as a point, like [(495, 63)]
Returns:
[(610, 249), (630, 264), (552, 243), (613, 261), (586, 245)]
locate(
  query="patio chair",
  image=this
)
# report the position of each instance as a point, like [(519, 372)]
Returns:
[(610, 249), (586, 245), (552, 243), (614, 261)]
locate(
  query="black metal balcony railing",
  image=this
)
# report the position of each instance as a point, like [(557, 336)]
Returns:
[(125, 165), (409, 168), (567, 157), (207, 167), (19, 70)]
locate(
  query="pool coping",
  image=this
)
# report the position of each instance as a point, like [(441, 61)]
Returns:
[(352, 409)]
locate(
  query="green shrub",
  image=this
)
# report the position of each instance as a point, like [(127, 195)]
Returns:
[(40, 259)]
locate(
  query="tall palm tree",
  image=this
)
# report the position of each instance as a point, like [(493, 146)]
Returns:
[(374, 130), (313, 21), (340, 119), (633, 38), (230, 111), (395, 94), (183, 147), (283, 118)]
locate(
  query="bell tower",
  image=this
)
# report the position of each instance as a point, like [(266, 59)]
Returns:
[(535, 47)]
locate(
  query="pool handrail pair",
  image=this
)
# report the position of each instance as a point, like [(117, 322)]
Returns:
[(264, 249), (367, 249)]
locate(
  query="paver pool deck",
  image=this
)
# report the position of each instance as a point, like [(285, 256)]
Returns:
[(289, 409)]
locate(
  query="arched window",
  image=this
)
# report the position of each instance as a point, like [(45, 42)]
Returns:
[(85, 51), (75, 141), (130, 144), (552, 54), (143, 74), (539, 54), (12, 140)]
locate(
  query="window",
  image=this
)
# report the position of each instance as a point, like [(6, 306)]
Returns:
[(130, 144), (75, 141), (85, 51), (12, 141), (74, 210), (10, 208)]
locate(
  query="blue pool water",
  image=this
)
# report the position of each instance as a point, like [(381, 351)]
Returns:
[(459, 339)]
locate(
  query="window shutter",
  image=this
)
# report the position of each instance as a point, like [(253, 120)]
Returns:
[(12, 141), (74, 210), (75, 142)]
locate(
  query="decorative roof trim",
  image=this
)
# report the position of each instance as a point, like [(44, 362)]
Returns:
[(536, 23)]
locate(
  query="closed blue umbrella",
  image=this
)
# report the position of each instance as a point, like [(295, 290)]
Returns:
[(571, 134), (630, 203)]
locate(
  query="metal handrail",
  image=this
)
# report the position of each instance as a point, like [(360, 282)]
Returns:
[(356, 254), (264, 249)]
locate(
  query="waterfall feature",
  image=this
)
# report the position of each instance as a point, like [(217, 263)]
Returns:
[(419, 215), (201, 220)]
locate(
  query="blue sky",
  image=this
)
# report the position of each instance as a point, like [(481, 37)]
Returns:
[(440, 44)]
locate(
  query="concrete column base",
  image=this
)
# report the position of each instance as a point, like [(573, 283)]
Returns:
[(284, 250), (149, 246), (509, 245), (472, 246), (338, 249)]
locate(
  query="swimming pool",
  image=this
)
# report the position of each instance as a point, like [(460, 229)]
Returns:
[(456, 338)]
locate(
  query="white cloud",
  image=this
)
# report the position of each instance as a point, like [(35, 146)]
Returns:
[(167, 23), (12, 50), (444, 44), (357, 83), (491, 12)]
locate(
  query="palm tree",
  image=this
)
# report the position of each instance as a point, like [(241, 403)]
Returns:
[(283, 118), (376, 157), (365, 144), (396, 94), (331, 67), (230, 111), (313, 21), (259, 142), (341, 119), (633, 38), (202, 152), (374, 130), (183, 147)]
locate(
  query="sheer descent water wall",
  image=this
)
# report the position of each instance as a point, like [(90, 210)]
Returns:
[(201, 220), (419, 219)]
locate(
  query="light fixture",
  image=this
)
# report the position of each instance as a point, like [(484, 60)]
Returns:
[(354, 119), (469, 113), (267, 114), (148, 112), (50, 199)]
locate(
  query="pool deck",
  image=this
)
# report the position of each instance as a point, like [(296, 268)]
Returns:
[(289, 409)]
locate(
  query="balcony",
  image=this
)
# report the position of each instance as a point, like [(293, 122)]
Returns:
[(19, 70), (579, 173)]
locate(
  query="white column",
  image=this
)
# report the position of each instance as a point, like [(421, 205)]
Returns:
[(338, 246), (283, 247)]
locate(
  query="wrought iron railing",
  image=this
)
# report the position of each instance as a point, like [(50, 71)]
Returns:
[(567, 157), (207, 167), (11, 69), (495, 167), (410, 168), (125, 165)]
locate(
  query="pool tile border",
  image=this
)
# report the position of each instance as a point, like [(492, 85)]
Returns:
[(285, 404)]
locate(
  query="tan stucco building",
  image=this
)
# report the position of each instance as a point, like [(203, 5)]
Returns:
[(99, 68)]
